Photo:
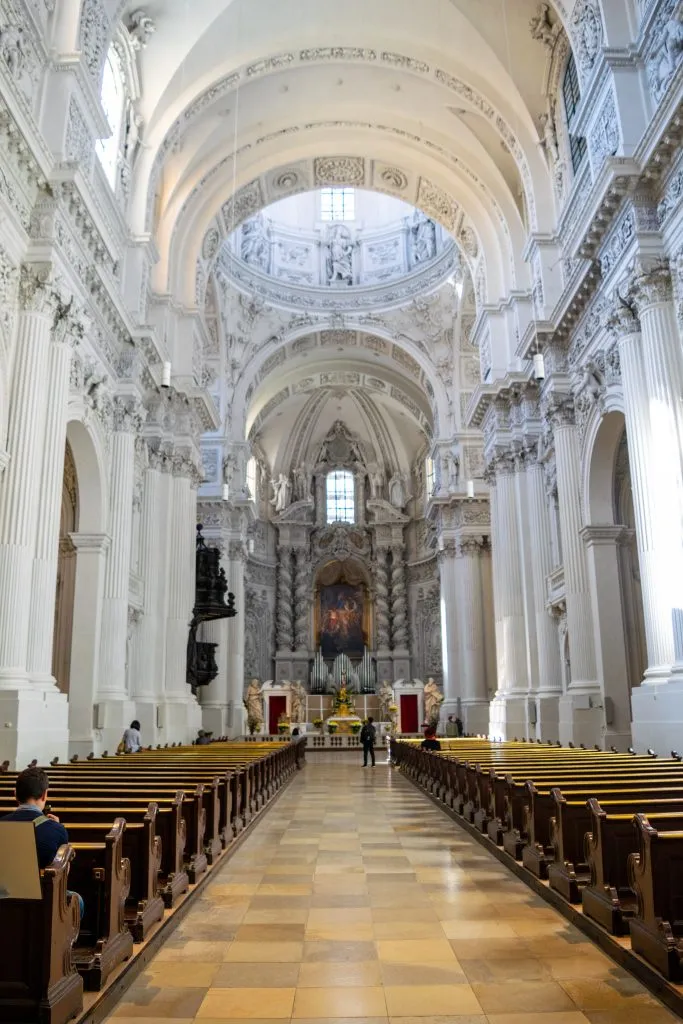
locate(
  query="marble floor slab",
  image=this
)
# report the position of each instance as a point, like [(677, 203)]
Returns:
[(356, 899)]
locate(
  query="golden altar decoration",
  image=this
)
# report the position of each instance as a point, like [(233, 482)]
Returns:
[(344, 711)]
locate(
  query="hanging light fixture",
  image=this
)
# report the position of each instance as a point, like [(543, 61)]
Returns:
[(539, 366), (470, 489), (166, 375)]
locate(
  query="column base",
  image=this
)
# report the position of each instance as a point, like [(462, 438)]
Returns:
[(547, 727), (215, 720), (180, 721), (579, 722), (508, 717), (236, 719), (112, 718), (657, 717), (475, 717), (35, 725)]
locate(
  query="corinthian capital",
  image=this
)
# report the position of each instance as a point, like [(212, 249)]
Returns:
[(68, 325), (470, 547), (622, 321), (651, 287), (558, 410), (128, 414), (36, 292)]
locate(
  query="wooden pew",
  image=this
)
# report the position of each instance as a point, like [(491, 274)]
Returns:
[(38, 982), (101, 875), (656, 877), (609, 898)]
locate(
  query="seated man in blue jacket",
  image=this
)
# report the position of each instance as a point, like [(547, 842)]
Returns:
[(31, 793)]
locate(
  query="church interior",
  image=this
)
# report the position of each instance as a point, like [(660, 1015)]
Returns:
[(341, 411)]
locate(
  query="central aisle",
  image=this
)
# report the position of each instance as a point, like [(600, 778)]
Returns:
[(355, 897)]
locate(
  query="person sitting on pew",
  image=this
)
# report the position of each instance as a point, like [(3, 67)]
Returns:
[(430, 741), (132, 740), (203, 738), (31, 795)]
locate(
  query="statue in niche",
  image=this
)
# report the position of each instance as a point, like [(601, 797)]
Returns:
[(671, 47), (452, 470), (386, 699), (376, 477), (255, 248), (433, 699), (340, 261), (397, 492), (302, 483), (298, 698), (12, 48), (253, 702), (282, 488), (423, 233), (549, 135)]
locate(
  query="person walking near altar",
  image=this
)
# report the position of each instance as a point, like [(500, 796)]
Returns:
[(367, 737)]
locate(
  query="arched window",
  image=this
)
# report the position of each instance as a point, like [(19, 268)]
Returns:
[(571, 94), (429, 478), (251, 478), (337, 204), (113, 99), (341, 498)]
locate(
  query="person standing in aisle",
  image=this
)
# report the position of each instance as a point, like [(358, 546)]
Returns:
[(367, 738)]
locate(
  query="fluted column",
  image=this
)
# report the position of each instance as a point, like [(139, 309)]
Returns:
[(508, 710), (663, 364), (381, 584), (450, 646), (399, 600), (147, 670), (91, 554), (470, 607), (181, 574), (66, 330), (657, 525), (540, 543), (577, 588), (127, 423), (237, 557), (20, 493), (285, 608)]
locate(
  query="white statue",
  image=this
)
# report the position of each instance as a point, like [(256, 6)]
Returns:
[(552, 151), (302, 479), (282, 488), (541, 26), (340, 264), (255, 249), (671, 47), (424, 238), (298, 699), (253, 702), (376, 477), (12, 48), (141, 28), (433, 699), (385, 695), (397, 492), (452, 468)]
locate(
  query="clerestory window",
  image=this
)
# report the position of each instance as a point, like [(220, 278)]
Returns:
[(341, 498), (571, 95), (113, 99), (337, 204)]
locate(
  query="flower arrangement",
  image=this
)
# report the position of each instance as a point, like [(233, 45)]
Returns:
[(355, 728), (317, 722), (393, 709), (332, 728), (253, 724)]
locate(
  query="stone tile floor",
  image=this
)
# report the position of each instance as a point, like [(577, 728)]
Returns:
[(356, 899)]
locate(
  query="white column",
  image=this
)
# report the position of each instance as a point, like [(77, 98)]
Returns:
[(237, 556), (654, 520), (44, 576), (147, 669), (115, 707), (581, 714), (215, 697), (508, 708), (540, 544), (91, 553), (450, 652), (35, 719), (470, 604), (658, 706), (20, 494), (182, 713), (527, 577)]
